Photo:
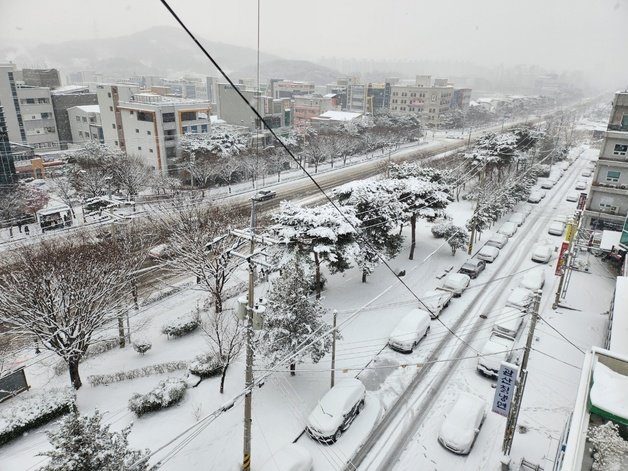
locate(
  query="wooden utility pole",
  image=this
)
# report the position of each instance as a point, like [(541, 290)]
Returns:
[(513, 414)]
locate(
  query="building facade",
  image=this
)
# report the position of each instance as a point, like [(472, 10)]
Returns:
[(41, 78), (7, 165), (428, 101), (85, 124), (607, 202), (67, 97), (310, 106), (11, 104), (109, 97), (38, 117), (291, 89)]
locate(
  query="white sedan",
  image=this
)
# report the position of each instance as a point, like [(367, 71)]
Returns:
[(580, 185), (541, 253), (509, 229), (462, 424), (488, 253), (573, 197), (411, 329), (534, 279), (436, 300), (556, 228), (456, 283)]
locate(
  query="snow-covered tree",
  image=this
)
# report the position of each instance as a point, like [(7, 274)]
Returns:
[(220, 141), (84, 443), (293, 320), (63, 189), (380, 211), (130, 174), (457, 238), (199, 241), (92, 171), (61, 292), (321, 232)]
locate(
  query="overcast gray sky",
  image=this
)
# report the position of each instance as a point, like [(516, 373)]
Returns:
[(557, 34)]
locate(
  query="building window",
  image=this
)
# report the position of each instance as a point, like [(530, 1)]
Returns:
[(84, 119), (43, 101), (188, 116), (185, 129), (80, 133), (78, 118), (612, 176), (113, 126), (139, 147), (150, 150), (137, 131), (203, 127), (45, 115), (109, 94), (131, 112), (111, 108), (115, 142), (620, 149), (167, 117), (148, 133), (143, 116), (194, 128)]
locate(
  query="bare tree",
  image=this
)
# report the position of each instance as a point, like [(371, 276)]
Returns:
[(64, 189), (130, 174), (225, 336), (62, 292)]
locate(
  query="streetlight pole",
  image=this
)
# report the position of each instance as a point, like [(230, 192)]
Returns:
[(333, 350)]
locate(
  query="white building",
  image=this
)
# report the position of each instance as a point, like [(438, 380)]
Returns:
[(85, 124), (109, 96), (421, 98), (151, 125)]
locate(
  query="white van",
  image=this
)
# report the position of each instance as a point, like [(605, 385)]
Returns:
[(488, 253)]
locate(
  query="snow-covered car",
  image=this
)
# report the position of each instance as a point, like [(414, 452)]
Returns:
[(508, 322), (160, 251), (456, 283), (525, 209), (291, 457), (548, 183), (488, 253), (519, 298), (436, 300), (533, 279), (497, 348), (336, 410), (556, 228), (409, 331), (472, 267), (535, 197), (586, 173), (508, 229), (497, 240), (564, 165), (541, 253), (462, 424), (581, 185), (264, 195), (517, 218), (573, 197)]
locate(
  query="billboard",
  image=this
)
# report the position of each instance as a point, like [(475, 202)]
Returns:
[(582, 201), (561, 258), (505, 388)]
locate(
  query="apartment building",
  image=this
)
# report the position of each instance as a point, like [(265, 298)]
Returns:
[(109, 97), (290, 89), (307, 107), (358, 99), (7, 165), (64, 98), (38, 117), (151, 125), (41, 78), (607, 202), (429, 101), (85, 124)]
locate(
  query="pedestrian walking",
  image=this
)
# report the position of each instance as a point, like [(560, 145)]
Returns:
[(27, 230)]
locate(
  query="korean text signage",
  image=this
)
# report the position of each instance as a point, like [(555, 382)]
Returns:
[(582, 201), (505, 388), (561, 258)]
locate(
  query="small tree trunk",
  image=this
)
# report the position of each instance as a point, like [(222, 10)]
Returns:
[(317, 262), (75, 378), (363, 276), (413, 231), (218, 300), (121, 340), (292, 369), (222, 378)]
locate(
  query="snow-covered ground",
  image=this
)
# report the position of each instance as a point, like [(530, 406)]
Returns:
[(367, 313)]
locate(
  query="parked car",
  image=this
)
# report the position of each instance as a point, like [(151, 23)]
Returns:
[(564, 165), (409, 331), (264, 195), (535, 197), (436, 300), (556, 228), (462, 424), (291, 457), (508, 229), (541, 253), (517, 218), (497, 348), (497, 240), (161, 251), (581, 185), (525, 209), (548, 183), (456, 283), (488, 253), (573, 197), (519, 298), (533, 279), (472, 267), (586, 173), (336, 410), (509, 322)]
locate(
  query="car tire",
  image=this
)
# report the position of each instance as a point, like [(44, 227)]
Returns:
[(337, 435)]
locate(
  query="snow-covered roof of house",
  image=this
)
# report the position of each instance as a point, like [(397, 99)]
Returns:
[(338, 116), (89, 108)]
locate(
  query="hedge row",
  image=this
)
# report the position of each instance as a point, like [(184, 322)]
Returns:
[(160, 368), (167, 393)]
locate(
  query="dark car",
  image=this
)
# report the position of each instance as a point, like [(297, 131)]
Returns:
[(472, 267), (264, 195)]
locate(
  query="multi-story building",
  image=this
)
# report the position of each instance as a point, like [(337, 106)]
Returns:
[(290, 89), (607, 202), (64, 98), (151, 125), (358, 99), (379, 96), (310, 106), (428, 101), (277, 113), (85, 124), (211, 84), (41, 77), (11, 103), (109, 97), (7, 165), (38, 117), (230, 107), (461, 99)]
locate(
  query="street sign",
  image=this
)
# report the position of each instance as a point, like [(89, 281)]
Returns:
[(582, 201), (561, 258), (505, 388), (570, 232)]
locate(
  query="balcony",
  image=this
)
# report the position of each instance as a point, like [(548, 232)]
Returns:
[(607, 187), (617, 127)]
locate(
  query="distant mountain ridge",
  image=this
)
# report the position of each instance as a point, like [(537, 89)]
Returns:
[(163, 51)]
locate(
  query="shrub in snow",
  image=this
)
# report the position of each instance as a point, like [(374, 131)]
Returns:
[(84, 444), (167, 393), (141, 346), (181, 325), (608, 448), (441, 229), (159, 368), (27, 413), (206, 365)]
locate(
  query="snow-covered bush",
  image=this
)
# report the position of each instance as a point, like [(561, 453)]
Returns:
[(160, 368), (168, 392), (181, 325), (608, 449), (83, 443), (206, 365), (27, 413), (441, 229), (141, 346)]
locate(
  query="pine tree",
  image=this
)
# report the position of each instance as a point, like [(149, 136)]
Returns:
[(292, 317), (83, 443)]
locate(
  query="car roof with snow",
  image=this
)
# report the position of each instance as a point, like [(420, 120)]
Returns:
[(409, 323), (456, 280)]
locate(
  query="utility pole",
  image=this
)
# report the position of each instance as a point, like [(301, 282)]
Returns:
[(333, 350), (513, 414)]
